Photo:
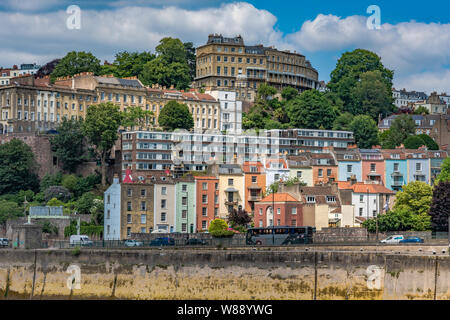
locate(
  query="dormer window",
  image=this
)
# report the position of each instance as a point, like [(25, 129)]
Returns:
[(331, 199), (310, 199)]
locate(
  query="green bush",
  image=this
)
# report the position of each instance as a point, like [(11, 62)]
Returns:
[(219, 228), (85, 228)]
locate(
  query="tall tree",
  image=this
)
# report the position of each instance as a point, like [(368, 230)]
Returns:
[(101, 129), (343, 121), (440, 206), (239, 217), (416, 196), (67, 145), (311, 110), (365, 131), (191, 58), (289, 93), (444, 176), (347, 74), (129, 64), (75, 62), (17, 167), (158, 71), (136, 116), (402, 127), (175, 115), (372, 97)]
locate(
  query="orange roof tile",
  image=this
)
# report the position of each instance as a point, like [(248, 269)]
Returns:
[(279, 197)]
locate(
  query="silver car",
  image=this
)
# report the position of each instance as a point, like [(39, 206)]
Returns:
[(133, 243), (4, 242)]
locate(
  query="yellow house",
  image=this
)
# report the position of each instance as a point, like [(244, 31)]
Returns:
[(232, 188), (300, 167)]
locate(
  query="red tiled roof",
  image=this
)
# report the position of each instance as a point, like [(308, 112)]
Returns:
[(361, 187), (279, 197)]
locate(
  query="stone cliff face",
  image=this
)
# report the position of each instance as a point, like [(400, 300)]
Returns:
[(220, 274)]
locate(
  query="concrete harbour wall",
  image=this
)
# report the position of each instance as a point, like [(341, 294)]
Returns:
[(222, 274)]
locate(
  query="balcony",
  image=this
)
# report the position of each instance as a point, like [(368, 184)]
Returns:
[(254, 198)]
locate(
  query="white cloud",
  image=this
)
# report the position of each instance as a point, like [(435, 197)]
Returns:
[(415, 50), (410, 48), (427, 81)]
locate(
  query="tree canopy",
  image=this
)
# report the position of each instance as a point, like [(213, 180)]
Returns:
[(416, 197), (17, 167), (401, 128), (101, 129), (68, 144), (365, 131), (311, 110), (349, 72), (440, 206), (175, 115), (75, 62)]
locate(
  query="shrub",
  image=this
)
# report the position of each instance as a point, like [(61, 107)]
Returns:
[(69, 182), (219, 228)]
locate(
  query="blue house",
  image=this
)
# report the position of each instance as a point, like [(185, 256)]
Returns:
[(418, 164), (396, 169), (349, 164)]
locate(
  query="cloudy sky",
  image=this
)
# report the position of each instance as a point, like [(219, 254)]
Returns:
[(414, 38)]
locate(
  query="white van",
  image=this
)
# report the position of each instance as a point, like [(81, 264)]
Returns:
[(80, 240), (4, 242), (393, 239)]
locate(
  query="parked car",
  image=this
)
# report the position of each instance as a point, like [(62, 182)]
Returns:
[(195, 242), (4, 242), (166, 241), (412, 240), (133, 243), (80, 240), (160, 231), (393, 239)]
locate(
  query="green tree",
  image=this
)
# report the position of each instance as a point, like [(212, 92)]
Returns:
[(69, 182), (9, 210), (136, 116), (53, 202), (170, 67), (343, 121), (421, 110), (311, 110), (101, 129), (289, 93), (401, 128), (131, 64), (371, 96), (191, 58), (348, 72), (365, 131), (67, 145), (444, 176), (85, 203), (17, 167), (75, 62), (429, 142), (416, 197), (175, 115), (413, 142), (219, 228), (440, 206), (51, 180), (400, 219)]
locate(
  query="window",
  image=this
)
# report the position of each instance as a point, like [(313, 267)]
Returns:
[(331, 199), (328, 172), (373, 167), (204, 224), (278, 211), (163, 216), (395, 166), (108, 214), (361, 212), (129, 192), (205, 186), (254, 179), (361, 198), (299, 174), (204, 198), (320, 173), (163, 203), (184, 187), (183, 227), (349, 168), (184, 214), (311, 199), (128, 232), (143, 206), (128, 218), (277, 177), (143, 230), (204, 211), (143, 219), (184, 201), (418, 167), (230, 182), (129, 207), (164, 190), (294, 211), (216, 212)]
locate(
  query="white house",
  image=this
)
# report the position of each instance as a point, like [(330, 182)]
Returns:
[(276, 170), (112, 207), (230, 111)]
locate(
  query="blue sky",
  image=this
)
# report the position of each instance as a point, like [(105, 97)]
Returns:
[(414, 39)]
